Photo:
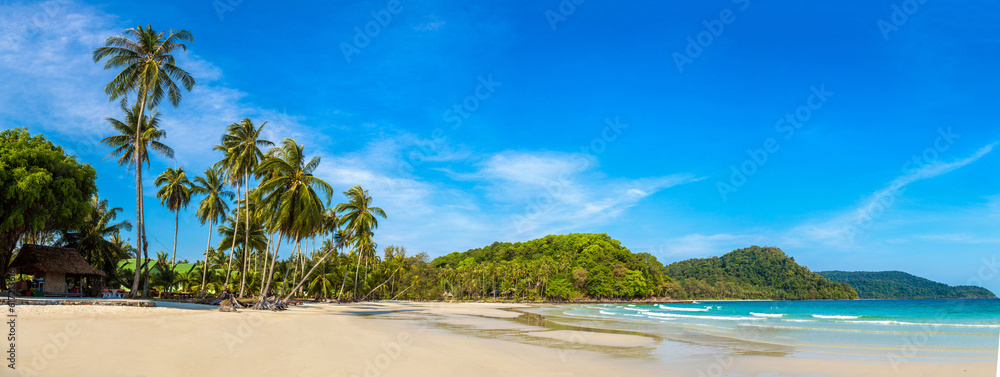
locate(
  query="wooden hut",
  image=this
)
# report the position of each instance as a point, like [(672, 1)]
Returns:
[(53, 264)]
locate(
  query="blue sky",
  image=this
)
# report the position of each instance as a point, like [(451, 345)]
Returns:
[(863, 136)]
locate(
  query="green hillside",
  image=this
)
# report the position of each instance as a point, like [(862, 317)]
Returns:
[(578, 265), (901, 285), (752, 273)]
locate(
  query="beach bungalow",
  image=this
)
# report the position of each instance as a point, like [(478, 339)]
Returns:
[(54, 265)]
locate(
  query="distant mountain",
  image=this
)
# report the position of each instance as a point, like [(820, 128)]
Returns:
[(901, 285), (751, 273)]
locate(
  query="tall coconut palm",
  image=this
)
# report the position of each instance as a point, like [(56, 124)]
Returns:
[(174, 193), (211, 209), (148, 71), (241, 145), (362, 219), (292, 194), (97, 238), (132, 149)]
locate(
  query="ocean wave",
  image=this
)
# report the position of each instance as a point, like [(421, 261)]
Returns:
[(672, 315), (635, 309), (835, 316), (606, 313), (801, 320), (903, 323), (705, 309), (768, 315)]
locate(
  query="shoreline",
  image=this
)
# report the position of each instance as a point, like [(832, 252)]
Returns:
[(322, 339)]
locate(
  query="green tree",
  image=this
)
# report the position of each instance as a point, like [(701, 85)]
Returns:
[(174, 193), (212, 208), (41, 189), (242, 145), (97, 238), (361, 220), (147, 70), (126, 147), (292, 196)]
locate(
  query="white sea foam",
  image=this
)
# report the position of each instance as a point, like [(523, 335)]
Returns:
[(635, 309), (903, 323), (768, 315), (801, 320), (606, 313), (835, 316), (672, 315), (705, 309)]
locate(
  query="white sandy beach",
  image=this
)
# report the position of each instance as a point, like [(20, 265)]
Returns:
[(372, 339)]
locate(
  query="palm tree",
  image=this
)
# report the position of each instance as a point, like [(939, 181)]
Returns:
[(361, 219), (175, 193), (132, 149), (291, 194), (241, 145), (147, 70), (98, 237), (211, 209)]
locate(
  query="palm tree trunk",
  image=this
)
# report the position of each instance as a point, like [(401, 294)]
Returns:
[(357, 270), (306, 276), (296, 263), (246, 230), (138, 227), (177, 223), (343, 283), (232, 252), (138, 196), (267, 254), (204, 270), (270, 274)]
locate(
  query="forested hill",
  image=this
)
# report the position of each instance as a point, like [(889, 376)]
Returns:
[(901, 285), (752, 273), (570, 266)]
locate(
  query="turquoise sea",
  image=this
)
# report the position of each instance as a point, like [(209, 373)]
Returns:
[(965, 330)]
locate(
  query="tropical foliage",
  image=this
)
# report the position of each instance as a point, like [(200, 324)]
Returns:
[(752, 273), (42, 189), (901, 285)]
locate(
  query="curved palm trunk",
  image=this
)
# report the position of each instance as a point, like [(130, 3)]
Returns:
[(267, 254), (138, 227), (357, 270), (236, 225), (139, 224), (343, 283), (246, 230), (306, 276), (145, 254), (270, 274), (177, 223), (204, 273)]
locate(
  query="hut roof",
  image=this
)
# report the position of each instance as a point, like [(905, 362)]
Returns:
[(33, 259)]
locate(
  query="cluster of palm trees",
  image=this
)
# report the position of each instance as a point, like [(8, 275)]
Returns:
[(287, 203)]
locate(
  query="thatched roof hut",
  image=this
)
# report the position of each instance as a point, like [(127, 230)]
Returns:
[(37, 259), (52, 264)]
